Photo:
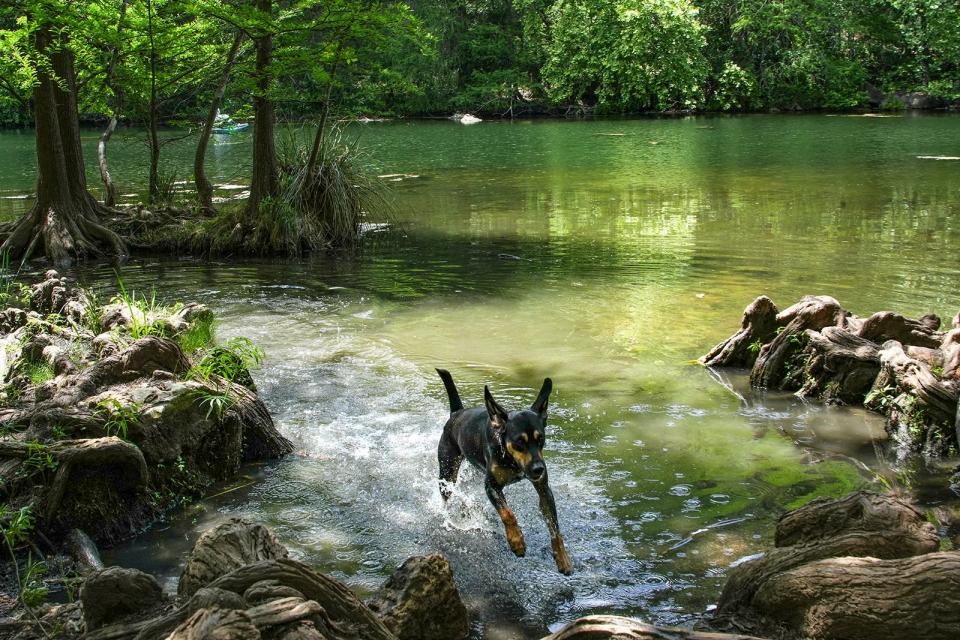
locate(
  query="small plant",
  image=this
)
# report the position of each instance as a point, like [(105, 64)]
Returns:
[(880, 397), (937, 371), (33, 591), (15, 527), (38, 372), (231, 361), (57, 432), (198, 335), (216, 403), (181, 465), (755, 346), (39, 457), (118, 418), (143, 312)]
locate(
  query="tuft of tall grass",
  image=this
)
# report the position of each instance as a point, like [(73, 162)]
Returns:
[(199, 335), (312, 210)]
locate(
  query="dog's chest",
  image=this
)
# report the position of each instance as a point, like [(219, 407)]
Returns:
[(504, 475)]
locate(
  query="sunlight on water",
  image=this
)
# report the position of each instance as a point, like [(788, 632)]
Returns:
[(609, 264)]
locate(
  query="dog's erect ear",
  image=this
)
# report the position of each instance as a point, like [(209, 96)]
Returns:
[(498, 417), (540, 404)]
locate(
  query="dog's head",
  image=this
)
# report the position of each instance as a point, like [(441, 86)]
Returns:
[(522, 433)]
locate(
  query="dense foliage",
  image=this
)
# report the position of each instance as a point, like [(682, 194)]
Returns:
[(500, 56)]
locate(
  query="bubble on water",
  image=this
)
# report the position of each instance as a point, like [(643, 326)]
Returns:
[(680, 490)]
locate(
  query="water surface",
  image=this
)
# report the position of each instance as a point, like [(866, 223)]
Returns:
[(607, 255)]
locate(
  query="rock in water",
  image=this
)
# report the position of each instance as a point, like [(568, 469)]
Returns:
[(420, 601), (228, 546)]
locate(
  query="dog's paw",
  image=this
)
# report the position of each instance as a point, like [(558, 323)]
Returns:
[(560, 556), (515, 539)]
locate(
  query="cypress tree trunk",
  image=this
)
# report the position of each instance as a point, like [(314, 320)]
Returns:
[(264, 181), (65, 217), (204, 188), (153, 122), (109, 191)]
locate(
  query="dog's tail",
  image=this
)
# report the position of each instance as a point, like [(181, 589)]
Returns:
[(455, 403)]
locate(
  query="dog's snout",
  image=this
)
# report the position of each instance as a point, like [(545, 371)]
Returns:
[(537, 471)]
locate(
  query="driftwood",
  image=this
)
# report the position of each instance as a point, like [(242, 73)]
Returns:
[(343, 607), (904, 368), (228, 546), (863, 557), (887, 325), (329, 606), (618, 628), (908, 375), (867, 598), (217, 624), (860, 511), (812, 312), (840, 366), (759, 325)]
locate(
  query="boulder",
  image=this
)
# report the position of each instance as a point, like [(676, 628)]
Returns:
[(421, 601), (115, 592)]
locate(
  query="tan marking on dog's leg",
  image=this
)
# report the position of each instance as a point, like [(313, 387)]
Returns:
[(564, 565), (514, 535)]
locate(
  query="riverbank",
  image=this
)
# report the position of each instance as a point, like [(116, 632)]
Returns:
[(113, 413)]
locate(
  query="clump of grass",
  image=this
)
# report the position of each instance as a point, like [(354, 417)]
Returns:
[(144, 312), (166, 189), (37, 372), (199, 335), (231, 361), (312, 210)]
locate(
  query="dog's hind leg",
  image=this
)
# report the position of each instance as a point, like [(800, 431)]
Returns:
[(449, 457)]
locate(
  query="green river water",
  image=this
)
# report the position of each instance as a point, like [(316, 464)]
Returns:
[(607, 255)]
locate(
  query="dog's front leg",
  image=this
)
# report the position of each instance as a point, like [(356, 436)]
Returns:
[(548, 508), (514, 535)]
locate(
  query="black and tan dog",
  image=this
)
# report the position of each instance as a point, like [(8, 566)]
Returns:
[(508, 447)]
